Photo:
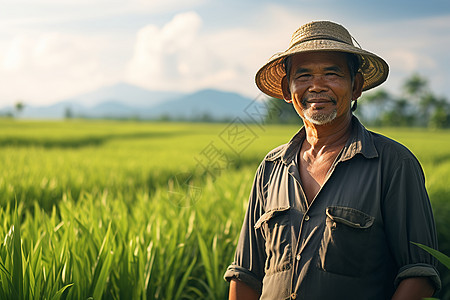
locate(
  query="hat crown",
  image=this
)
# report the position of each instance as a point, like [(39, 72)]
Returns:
[(321, 30)]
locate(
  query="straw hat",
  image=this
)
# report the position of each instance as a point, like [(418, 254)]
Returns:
[(320, 36)]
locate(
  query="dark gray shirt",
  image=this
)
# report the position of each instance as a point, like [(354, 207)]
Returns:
[(353, 240)]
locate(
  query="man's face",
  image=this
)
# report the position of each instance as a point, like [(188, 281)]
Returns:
[(320, 86)]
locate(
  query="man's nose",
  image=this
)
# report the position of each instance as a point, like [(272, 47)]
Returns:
[(318, 84)]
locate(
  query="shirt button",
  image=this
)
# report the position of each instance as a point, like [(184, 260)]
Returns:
[(298, 257), (294, 296), (306, 218)]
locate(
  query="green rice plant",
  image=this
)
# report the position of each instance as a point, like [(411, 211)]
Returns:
[(96, 248), (123, 210), (28, 279)]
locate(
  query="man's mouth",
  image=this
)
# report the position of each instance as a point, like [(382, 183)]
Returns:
[(319, 100)]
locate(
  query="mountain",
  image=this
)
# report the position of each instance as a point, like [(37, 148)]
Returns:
[(128, 101), (204, 104), (123, 92), (119, 100), (55, 111)]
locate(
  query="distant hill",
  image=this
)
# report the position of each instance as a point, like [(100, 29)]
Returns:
[(55, 111), (204, 104), (127, 101), (125, 93)]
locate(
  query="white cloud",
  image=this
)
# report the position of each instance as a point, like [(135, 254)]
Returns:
[(181, 56), (51, 67), (14, 56), (409, 61), (172, 57)]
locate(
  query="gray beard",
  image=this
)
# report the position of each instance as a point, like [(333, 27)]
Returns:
[(320, 118)]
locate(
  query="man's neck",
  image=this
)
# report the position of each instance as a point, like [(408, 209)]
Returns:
[(331, 135)]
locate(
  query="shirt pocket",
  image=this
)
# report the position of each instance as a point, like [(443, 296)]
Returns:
[(276, 229), (345, 240)]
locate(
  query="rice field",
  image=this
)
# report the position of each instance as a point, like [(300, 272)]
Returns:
[(143, 210)]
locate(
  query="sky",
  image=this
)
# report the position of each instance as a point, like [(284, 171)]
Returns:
[(52, 50)]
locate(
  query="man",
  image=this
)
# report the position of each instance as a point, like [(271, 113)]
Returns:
[(332, 213)]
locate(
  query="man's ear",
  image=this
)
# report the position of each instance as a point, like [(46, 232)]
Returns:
[(286, 91), (357, 86)]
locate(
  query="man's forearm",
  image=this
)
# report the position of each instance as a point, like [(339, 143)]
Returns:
[(241, 291), (414, 288)]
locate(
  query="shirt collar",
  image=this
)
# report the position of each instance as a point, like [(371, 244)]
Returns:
[(360, 142)]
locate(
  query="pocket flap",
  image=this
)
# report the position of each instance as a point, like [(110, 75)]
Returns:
[(270, 214), (350, 217)]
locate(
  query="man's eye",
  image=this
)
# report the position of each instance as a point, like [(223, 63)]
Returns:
[(303, 76), (332, 74)]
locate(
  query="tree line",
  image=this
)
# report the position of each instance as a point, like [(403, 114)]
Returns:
[(415, 106)]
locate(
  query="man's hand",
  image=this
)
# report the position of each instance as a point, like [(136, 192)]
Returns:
[(414, 288), (241, 291)]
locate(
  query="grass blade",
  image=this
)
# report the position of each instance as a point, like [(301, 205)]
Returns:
[(206, 260), (184, 280), (444, 259), (58, 295), (102, 278), (17, 276)]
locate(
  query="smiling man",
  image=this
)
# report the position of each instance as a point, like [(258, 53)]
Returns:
[(333, 212)]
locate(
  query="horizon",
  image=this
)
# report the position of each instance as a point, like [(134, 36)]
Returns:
[(54, 50), (100, 100), (125, 101)]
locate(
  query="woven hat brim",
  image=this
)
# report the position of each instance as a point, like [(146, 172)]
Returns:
[(268, 79)]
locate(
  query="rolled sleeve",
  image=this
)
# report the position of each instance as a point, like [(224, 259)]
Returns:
[(419, 270), (243, 275)]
